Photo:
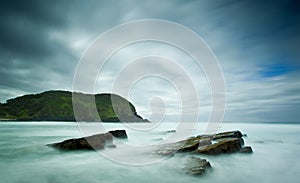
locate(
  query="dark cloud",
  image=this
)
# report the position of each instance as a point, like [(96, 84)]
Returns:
[(25, 25), (42, 41)]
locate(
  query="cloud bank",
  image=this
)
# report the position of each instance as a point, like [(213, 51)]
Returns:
[(256, 43)]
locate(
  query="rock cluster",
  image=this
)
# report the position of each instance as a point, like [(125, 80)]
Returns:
[(226, 142), (216, 144)]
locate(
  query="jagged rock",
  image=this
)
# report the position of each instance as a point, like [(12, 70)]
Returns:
[(119, 134), (228, 145), (85, 143), (99, 141), (197, 166), (225, 142), (189, 145), (246, 149), (230, 134)]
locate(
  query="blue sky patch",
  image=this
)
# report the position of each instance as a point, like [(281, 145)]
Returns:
[(274, 70)]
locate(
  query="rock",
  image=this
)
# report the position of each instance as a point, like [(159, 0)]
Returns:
[(197, 166), (171, 131), (98, 141), (229, 145), (230, 134), (119, 134), (189, 145), (246, 149), (225, 142), (158, 139)]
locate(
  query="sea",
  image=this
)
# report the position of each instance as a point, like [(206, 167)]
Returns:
[(25, 156)]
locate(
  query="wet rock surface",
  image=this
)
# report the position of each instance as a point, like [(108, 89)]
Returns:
[(197, 166), (228, 145), (221, 143), (215, 144), (99, 141), (230, 134)]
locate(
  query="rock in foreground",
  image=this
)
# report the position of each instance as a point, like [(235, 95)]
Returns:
[(225, 142), (99, 141), (215, 144), (197, 166)]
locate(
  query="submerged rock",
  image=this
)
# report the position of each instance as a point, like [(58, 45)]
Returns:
[(99, 141), (171, 131), (197, 166), (246, 149)]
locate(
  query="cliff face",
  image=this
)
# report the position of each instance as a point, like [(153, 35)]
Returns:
[(58, 106)]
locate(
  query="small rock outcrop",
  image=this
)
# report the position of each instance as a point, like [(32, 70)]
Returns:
[(230, 134), (197, 166), (99, 141), (119, 134), (225, 142), (246, 149), (216, 144)]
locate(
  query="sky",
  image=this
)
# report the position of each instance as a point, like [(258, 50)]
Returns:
[(257, 44)]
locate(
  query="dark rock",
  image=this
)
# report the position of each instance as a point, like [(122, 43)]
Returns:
[(225, 142), (171, 131), (197, 166), (98, 141), (229, 145), (231, 134), (189, 145), (246, 149), (241, 139), (119, 134)]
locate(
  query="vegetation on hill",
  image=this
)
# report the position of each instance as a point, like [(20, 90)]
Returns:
[(58, 106)]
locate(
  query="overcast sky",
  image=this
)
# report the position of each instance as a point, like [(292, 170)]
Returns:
[(257, 44)]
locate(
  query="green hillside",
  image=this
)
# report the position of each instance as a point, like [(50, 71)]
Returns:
[(57, 106)]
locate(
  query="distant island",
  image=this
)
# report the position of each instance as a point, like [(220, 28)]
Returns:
[(58, 106)]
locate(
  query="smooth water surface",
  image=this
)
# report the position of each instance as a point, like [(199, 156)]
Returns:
[(24, 156)]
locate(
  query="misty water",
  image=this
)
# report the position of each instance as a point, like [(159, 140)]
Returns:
[(24, 156)]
